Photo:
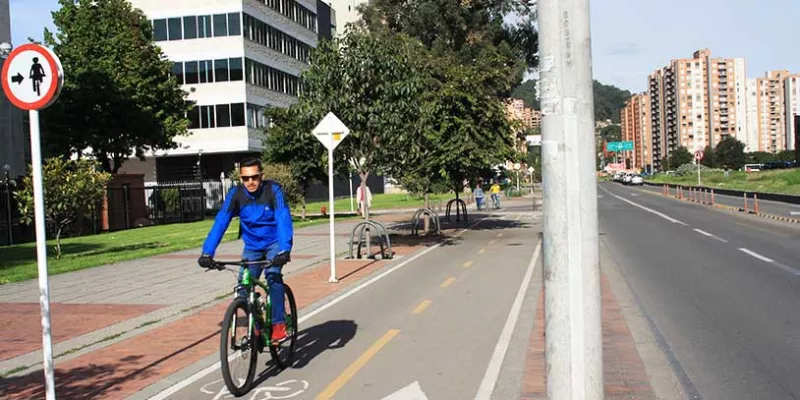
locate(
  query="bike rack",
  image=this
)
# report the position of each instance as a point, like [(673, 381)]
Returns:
[(460, 205), (418, 215), (382, 238)]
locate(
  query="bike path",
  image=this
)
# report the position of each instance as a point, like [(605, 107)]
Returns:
[(430, 327)]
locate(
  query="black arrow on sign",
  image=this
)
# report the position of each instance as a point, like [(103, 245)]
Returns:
[(17, 79)]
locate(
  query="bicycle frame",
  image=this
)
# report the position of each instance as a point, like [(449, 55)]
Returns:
[(250, 285)]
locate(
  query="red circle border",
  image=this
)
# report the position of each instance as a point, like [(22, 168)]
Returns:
[(43, 102)]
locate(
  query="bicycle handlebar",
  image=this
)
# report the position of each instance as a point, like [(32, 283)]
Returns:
[(220, 265)]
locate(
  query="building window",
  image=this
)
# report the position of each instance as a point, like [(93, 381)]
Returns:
[(270, 78), (275, 39), (207, 117), (204, 26), (190, 27), (194, 118), (220, 25), (175, 29), (206, 71), (191, 71), (234, 24), (223, 115), (177, 72), (160, 30), (255, 117), (237, 114), (221, 70), (236, 73)]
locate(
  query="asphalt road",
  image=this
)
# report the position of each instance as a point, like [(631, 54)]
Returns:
[(432, 327), (764, 206), (722, 290)]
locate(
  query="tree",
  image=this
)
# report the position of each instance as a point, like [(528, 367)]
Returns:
[(708, 157), (785, 155), (119, 98), (289, 141), (730, 153), (474, 33), (527, 92), (679, 157), (611, 133), (373, 87), (283, 174), (609, 100), (71, 190)]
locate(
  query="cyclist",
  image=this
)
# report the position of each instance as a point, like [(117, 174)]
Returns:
[(266, 229), (495, 191)]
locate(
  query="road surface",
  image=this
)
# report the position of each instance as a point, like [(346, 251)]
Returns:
[(722, 289), (432, 327)]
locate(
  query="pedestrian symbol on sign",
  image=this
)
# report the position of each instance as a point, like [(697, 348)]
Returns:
[(37, 75)]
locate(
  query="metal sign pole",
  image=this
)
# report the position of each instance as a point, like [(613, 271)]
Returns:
[(41, 255), (332, 278)]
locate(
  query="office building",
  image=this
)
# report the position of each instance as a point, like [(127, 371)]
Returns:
[(235, 58)]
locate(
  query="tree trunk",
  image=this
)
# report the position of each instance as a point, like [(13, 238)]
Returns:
[(58, 244), (105, 161), (303, 211)]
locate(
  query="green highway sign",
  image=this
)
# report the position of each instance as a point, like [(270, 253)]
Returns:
[(619, 146)]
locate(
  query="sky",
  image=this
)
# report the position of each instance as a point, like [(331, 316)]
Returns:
[(630, 38)]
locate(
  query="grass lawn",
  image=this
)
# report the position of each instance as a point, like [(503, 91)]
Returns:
[(776, 181), (18, 262), (382, 201)]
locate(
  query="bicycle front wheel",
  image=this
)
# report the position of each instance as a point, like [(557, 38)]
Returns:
[(283, 352), (237, 348)]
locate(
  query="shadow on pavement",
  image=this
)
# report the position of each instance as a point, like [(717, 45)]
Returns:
[(311, 342)]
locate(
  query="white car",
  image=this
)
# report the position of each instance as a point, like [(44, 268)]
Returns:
[(626, 179), (637, 180)]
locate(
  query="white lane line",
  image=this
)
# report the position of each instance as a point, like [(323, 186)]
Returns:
[(163, 395), (770, 261), (702, 232), (496, 362), (634, 195), (793, 213), (666, 217)]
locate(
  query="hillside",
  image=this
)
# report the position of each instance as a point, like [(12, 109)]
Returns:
[(608, 99)]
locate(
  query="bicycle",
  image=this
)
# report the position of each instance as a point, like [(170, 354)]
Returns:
[(254, 315)]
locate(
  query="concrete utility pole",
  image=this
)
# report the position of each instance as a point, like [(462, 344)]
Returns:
[(571, 257)]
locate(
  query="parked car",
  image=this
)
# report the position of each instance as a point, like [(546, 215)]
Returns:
[(637, 180)]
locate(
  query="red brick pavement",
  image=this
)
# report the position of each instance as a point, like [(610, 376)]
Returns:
[(21, 323), (623, 369), (123, 368)]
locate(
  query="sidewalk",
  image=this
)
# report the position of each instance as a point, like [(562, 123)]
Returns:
[(90, 306)]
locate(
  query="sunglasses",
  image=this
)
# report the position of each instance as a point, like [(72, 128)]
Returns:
[(248, 178)]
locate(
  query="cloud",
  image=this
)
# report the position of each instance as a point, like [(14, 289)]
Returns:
[(623, 49), (29, 18)]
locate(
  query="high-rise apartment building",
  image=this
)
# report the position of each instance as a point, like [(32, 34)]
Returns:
[(235, 58), (346, 13), (772, 111), (636, 127), (696, 102), (792, 102), (750, 139)]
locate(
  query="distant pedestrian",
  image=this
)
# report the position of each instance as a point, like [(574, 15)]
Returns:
[(478, 196)]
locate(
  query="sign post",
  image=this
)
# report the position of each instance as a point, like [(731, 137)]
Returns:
[(330, 132), (698, 155), (32, 80)]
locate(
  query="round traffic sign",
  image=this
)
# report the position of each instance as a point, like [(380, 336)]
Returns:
[(698, 155), (32, 77)]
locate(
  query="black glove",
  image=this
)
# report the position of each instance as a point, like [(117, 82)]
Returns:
[(205, 261), (282, 258)]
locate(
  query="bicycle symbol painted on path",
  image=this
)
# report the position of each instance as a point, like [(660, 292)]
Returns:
[(284, 390)]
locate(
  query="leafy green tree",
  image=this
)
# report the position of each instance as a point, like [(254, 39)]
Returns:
[(372, 85), (708, 157), (679, 157), (71, 190), (786, 155), (284, 175), (730, 153), (759, 157), (527, 92), (474, 33), (119, 98), (289, 141), (611, 133), (608, 101)]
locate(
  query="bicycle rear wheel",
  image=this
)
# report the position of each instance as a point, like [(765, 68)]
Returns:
[(283, 352), (237, 349)]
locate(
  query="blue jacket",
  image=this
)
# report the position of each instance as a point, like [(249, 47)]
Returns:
[(262, 223)]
